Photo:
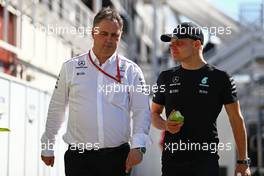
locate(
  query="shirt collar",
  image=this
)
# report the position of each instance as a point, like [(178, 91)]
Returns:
[(110, 60)]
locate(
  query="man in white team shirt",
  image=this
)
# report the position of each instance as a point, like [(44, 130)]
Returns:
[(98, 128)]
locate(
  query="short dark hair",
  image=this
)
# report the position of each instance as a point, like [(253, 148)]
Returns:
[(108, 13)]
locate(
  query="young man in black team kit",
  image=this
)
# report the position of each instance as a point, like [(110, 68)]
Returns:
[(198, 91)]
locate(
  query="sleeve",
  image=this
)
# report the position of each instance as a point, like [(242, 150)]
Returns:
[(159, 94), (139, 105), (229, 92), (56, 113)]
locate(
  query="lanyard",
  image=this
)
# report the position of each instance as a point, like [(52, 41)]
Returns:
[(117, 78)]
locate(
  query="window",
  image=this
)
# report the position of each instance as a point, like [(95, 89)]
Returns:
[(50, 4), (77, 15), (106, 3), (88, 3), (61, 8)]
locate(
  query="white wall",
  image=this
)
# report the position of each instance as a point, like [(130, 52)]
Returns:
[(17, 126), (4, 123), (227, 157), (24, 111), (44, 50), (151, 164), (41, 48)]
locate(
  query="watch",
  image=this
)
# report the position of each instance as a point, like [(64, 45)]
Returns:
[(245, 161), (142, 149)]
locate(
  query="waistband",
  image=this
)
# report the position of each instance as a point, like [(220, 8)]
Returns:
[(100, 150)]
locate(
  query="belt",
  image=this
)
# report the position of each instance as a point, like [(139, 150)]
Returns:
[(100, 150)]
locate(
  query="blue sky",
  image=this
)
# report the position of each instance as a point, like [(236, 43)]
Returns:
[(231, 7)]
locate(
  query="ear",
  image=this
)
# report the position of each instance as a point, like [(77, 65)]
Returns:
[(92, 33), (120, 35), (197, 44), (95, 31)]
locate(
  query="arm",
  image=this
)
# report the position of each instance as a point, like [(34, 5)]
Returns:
[(158, 102), (157, 120), (230, 100), (240, 135), (238, 127), (139, 105), (56, 114)]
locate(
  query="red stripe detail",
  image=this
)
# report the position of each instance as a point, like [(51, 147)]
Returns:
[(118, 79)]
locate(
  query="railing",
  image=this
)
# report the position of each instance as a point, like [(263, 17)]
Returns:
[(235, 55)]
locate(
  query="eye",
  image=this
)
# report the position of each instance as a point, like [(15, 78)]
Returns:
[(103, 33), (174, 44), (177, 44), (115, 35), (180, 43)]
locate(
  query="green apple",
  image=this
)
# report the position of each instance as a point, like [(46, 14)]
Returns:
[(4, 130), (176, 116)]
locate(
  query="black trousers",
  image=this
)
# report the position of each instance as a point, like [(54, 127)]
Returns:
[(203, 167), (110, 162)]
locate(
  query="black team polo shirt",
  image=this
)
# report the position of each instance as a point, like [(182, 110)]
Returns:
[(199, 95)]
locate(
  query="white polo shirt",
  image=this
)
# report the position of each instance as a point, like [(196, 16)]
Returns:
[(99, 110)]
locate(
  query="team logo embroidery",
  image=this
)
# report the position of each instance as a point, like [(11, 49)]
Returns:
[(81, 63), (175, 79), (122, 67), (174, 91), (204, 82), (57, 82), (80, 73)]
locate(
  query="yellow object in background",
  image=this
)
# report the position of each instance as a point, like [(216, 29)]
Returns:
[(4, 130)]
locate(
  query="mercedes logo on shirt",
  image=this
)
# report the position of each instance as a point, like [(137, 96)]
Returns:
[(175, 79)]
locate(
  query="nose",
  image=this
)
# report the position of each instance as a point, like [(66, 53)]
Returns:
[(109, 37)]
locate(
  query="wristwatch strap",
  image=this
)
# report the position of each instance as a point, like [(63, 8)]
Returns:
[(245, 161), (142, 149)]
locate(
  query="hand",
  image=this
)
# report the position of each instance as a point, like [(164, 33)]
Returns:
[(48, 160), (172, 126), (134, 157), (242, 170)]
